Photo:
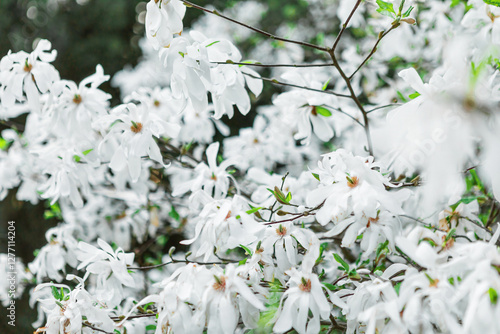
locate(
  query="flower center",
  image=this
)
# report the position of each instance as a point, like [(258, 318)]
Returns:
[(314, 111), (305, 285), (156, 103), (352, 182), (27, 66), (136, 127), (281, 231), (220, 283), (371, 220), (77, 99)]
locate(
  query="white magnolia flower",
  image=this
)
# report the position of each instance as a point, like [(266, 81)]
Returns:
[(135, 131), (213, 179), (163, 21), (110, 267), (61, 250), (350, 184), (67, 312), (27, 75), (223, 225), (225, 298), (304, 294)]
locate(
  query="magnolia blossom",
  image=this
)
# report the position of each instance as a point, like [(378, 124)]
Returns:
[(23, 74), (223, 225), (304, 294), (212, 178), (110, 266), (135, 131), (163, 20), (67, 312), (351, 184)]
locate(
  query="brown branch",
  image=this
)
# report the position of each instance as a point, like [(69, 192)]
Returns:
[(262, 32), (356, 101), (296, 86), (381, 35), (344, 26), (87, 324), (229, 62)]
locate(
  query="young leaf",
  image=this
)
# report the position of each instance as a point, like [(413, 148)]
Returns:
[(492, 2), (342, 262), (386, 8), (323, 111)]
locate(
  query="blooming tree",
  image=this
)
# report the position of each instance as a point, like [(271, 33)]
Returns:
[(364, 199)]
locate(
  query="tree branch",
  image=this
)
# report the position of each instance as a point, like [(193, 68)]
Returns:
[(381, 35), (228, 62), (262, 32), (344, 26), (296, 86)]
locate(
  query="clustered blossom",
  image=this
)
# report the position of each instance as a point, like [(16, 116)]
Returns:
[(363, 199)]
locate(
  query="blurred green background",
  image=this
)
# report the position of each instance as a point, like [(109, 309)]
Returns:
[(86, 33)]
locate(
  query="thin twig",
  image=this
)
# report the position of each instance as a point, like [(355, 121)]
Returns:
[(408, 259), (356, 101), (270, 65), (275, 81), (86, 324), (384, 106), (374, 49), (344, 26), (343, 112), (146, 315), (262, 32), (477, 224)]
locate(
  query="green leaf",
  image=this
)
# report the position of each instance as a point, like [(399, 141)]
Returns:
[(76, 158), (493, 295), (408, 12), (3, 144), (323, 111), (288, 197), (342, 262), (87, 151), (247, 250), (414, 95), (330, 287), (492, 2), (253, 210), (386, 8), (249, 62), (325, 84), (174, 214), (316, 176), (151, 327), (212, 43), (56, 294)]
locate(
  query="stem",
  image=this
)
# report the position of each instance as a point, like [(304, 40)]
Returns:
[(384, 106), (409, 260), (296, 86), (355, 99), (374, 49), (262, 32), (270, 65), (95, 328), (344, 26)]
